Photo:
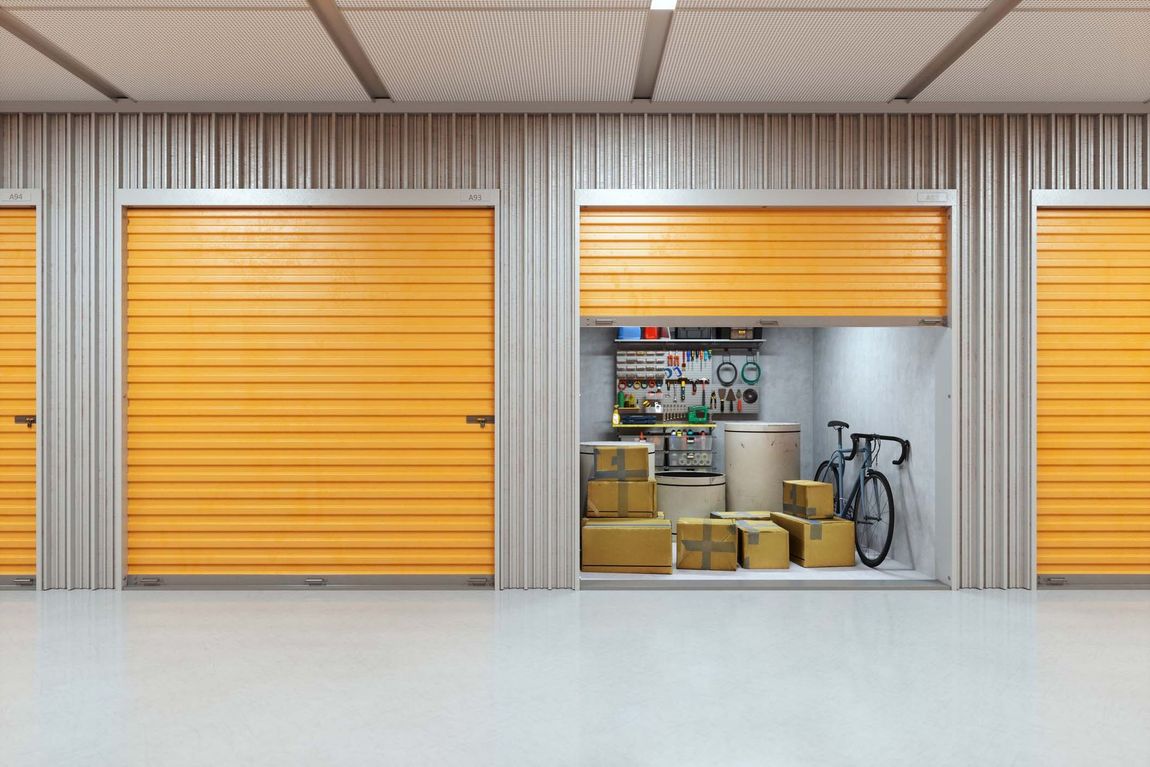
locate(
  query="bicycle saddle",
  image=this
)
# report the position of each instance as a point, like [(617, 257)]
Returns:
[(838, 424)]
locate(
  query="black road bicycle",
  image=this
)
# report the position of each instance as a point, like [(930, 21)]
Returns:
[(870, 504)]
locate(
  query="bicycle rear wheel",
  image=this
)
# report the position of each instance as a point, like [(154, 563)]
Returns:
[(829, 472), (874, 522)]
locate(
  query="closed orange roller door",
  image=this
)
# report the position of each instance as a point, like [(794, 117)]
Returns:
[(17, 391), (796, 262), (1094, 392), (298, 382)]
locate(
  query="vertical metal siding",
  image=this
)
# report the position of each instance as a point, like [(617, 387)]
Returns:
[(537, 160)]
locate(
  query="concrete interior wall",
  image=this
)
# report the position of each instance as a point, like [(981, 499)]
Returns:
[(888, 380)]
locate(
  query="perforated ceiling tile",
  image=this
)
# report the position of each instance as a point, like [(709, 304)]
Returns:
[(472, 5), (716, 5), (29, 75), (1084, 5), (204, 55), (136, 4), (502, 55), (1053, 56), (800, 55)]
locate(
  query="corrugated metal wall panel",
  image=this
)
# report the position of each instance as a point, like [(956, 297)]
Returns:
[(980, 156), (654, 262)]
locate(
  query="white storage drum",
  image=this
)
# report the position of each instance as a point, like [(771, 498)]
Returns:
[(690, 494), (587, 461), (760, 456)]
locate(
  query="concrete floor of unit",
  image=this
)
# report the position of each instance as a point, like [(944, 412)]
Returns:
[(890, 573), (567, 678)]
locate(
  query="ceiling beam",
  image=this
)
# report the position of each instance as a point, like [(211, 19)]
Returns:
[(985, 21), (57, 54), (651, 52), (337, 28)]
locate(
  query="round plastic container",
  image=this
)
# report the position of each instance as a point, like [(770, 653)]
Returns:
[(759, 457), (587, 462), (690, 494)]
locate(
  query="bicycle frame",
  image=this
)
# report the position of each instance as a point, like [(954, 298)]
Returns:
[(839, 461)]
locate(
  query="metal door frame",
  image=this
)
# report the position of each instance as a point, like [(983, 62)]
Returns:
[(950, 470), (1065, 198), (31, 199), (126, 199)]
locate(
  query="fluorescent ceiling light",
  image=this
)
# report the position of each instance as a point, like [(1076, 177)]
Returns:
[(663, 5)]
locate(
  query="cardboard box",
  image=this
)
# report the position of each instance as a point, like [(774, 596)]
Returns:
[(819, 542), (626, 546), (809, 499), (622, 463), (760, 516), (763, 545), (607, 498), (707, 544)]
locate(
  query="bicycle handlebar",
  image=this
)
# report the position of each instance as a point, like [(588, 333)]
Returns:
[(903, 443)]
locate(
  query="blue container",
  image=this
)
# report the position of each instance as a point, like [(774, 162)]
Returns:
[(630, 334)]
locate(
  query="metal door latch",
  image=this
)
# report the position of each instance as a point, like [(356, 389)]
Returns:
[(27, 420), (482, 420)]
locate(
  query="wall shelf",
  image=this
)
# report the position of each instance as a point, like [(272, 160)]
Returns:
[(676, 425), (690, 343)]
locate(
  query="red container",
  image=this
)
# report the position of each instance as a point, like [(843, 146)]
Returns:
[(650, 333)]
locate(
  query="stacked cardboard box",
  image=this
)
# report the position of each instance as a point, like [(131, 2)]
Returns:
[(623, 531), (819, 542), (707, 544), (808, 499)]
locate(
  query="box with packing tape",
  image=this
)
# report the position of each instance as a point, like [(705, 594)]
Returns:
[(763, 545), (760, 516), (608, 498), (707, 544), (819, 542), (809, 499), (626, 546), (623, 463)]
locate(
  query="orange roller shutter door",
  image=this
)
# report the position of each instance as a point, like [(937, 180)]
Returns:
[(785, 262), (17, 392), (298, 382), (1093, 392)]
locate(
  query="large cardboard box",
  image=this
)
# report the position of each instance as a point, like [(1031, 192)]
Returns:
[(707, 544), (819, 542), (627, 546), (809, 499), (763, 545), (625, 462), (608, 498), (760, 516)]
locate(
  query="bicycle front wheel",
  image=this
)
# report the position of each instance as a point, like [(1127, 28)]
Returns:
[(873, 512), (829, 473)]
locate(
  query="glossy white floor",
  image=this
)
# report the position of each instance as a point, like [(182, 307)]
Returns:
[(557, 678)]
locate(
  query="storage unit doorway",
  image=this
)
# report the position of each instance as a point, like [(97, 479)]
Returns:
[(1091, 263), (845, 301), (309, 388), (19, 436)]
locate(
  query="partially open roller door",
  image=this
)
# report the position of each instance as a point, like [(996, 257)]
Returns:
[(298, 382), (17, 395), (752, 262), (1093, 392)]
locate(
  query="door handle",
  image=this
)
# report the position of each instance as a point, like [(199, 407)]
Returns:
[(27, 420), (482, 420)]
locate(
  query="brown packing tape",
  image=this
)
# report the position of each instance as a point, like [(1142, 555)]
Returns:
[(816, 530), (706, 546)]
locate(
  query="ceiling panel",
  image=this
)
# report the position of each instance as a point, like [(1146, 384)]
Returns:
[(31, 76), (1054, 56), (202, 54), (800, 55), (502, 55), (686, 5)]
